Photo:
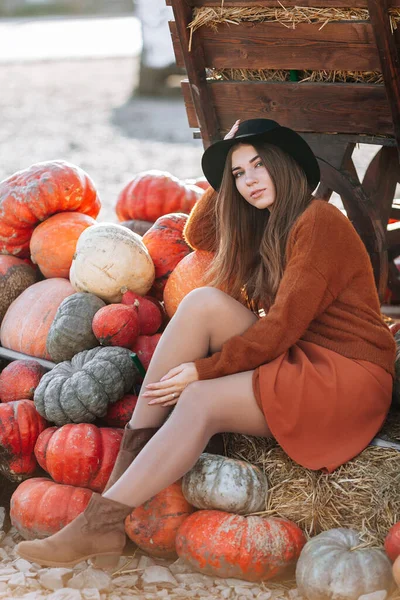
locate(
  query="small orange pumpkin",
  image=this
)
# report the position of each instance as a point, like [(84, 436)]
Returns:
[(116, 325), (154, 525), (119, 413), (19, 380)]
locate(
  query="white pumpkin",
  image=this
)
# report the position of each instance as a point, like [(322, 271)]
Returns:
[(331, 567), (109, 260), (220, 483)]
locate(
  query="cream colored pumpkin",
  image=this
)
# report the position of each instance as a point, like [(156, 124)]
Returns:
[(220, 483), (331, 567), (109, 260)]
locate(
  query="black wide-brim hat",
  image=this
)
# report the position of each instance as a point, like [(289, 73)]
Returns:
[(261, 130)]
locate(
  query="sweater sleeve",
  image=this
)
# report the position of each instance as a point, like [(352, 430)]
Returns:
[(303, 294), (200, 229)]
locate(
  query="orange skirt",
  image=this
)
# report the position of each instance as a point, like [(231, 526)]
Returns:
[(321, 407)]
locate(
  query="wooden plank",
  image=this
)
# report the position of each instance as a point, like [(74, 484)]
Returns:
[(14, 355), (308, 107), (194, 64), (176, 44), (389, 58), (286, 3), (338, 46)]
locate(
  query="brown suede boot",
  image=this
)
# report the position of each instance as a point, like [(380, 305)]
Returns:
[(132, 443), (97, 532)]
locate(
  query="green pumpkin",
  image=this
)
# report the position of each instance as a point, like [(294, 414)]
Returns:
[(80, 390)]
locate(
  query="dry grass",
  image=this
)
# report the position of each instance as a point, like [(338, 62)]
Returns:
[(303, 76), (363, 494)]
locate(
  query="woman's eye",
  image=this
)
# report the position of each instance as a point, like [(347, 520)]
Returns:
[(238, 174), (259, 164)]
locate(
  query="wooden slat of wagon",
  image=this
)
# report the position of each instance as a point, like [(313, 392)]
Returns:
[(340, 46), (309, 107), (286, 3)]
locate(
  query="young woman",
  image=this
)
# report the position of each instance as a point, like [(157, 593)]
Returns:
[(294, 347)]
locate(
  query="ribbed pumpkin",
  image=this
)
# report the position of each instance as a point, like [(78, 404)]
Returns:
[(28, 319), (119, 413), (19, 379), (71, 330), (188, 275), (217, 482), (79, 391), (151, 194), (109, 260), (201, 182), (116, 325), (221, 544), (144, 347), (53, 242), (15, 276), (331, 566), (39, 507), (34, 194), (167, 247), (79, 454), (153, 525), (20, 426)]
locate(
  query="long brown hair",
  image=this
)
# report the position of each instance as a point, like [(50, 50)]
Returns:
[(250, 259)]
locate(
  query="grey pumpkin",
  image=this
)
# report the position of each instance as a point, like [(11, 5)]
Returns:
[(80, 390), (71, 331)]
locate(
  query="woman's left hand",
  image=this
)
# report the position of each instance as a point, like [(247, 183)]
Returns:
[(167, 391)]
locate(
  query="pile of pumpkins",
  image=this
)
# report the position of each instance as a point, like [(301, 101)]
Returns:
[(93, 298)]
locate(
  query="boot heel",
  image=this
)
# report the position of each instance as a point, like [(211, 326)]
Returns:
[(105, 562)]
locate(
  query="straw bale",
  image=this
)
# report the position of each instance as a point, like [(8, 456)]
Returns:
[(363, 494), (303, 76)]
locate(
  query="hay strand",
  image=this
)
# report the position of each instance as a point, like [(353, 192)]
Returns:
[(370, 77)]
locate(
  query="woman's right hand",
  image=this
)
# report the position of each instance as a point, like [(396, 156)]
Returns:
[(231, 134)]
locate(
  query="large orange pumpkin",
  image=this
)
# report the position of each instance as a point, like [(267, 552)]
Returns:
[(34, 194), (153, 525), (151, 194), (15, 276), (53, 242), (20, 426), (28, 319), (79, 454), (223, 544), (187, 276), (19, 380), (39, 507), (167, 247)]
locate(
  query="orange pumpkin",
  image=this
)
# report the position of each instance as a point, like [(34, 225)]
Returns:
[(19, 380), (116, 325), (53, 242), (39, 507), (223, 544), (392, 542), (20, 426), (166, 245), (34, 194), (153, 525), (144, 347), (187, 276), (151, 194), (28, 319), (79, 454), (15, 276), (119, 413)]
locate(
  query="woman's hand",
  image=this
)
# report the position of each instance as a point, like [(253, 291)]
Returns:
[(231, 134), (167, 391)]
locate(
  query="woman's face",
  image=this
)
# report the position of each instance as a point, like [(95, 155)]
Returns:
[(252, 179)]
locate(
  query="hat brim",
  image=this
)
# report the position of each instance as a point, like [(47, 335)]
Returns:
[(214, 158)]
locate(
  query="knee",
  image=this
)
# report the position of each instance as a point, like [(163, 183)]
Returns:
[(203, 299), (193, 402)]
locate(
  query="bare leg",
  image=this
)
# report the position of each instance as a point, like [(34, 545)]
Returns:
[(205, 319)]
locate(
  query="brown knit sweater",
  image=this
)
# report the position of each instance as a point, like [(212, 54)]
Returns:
[(327, 295)]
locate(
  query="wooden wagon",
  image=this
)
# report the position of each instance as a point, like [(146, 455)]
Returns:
[(333, 116)]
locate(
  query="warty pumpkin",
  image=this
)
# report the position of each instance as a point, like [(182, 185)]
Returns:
[(40, 507), (53, 242), (153, 525), (20, 426), (220, 483), (79, 391), (71, 329), (188, 275), (332, 566), (79, 454), (34, 194), (151, 194), (109, 260), (15, 276), (19, 379), (222, 544), (28, 319), (167, 247), (116, 325)]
